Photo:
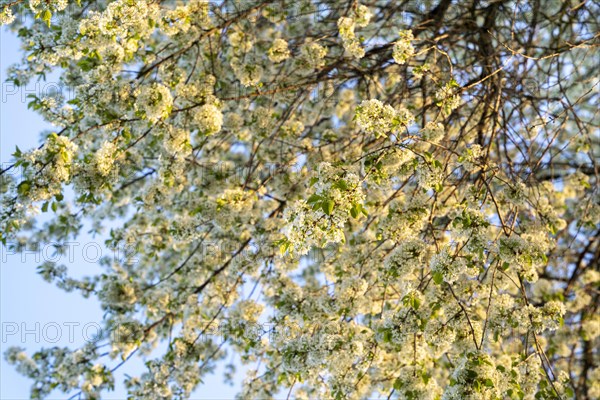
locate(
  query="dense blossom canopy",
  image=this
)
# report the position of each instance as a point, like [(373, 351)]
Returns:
[(390, 199)]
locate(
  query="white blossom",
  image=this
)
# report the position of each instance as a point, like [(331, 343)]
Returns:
[(403, 49)]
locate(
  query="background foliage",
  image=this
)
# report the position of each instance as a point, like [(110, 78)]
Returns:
[(393, 199)]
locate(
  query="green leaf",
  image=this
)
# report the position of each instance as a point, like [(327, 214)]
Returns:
[(438, 278), (281, 378), (387, 336), (328, 206), (24, 188), (471, 374), (86, 64), (283, 244), (341, 184), (398, 384), (54, 206), (126, 135), (415, 303), (426, 377), (45, 207), (47, 17), (314, 198)]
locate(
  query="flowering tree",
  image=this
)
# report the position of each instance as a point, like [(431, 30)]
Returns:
[(377, 199)]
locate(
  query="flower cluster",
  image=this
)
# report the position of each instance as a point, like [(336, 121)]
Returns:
[(313, 55), (279, 51), (346, 26), (414, 382), (430, 174), (406, 260), (547, 317), (399, 326), (114, 33), (432, 132), (378, 118), (403, 48), (410, 239), (446, 268), (51, 166), (209, 119), (471, 159), (6, 16), (247, 71), (154, 102), (405, 219), (446, 97), (475, 377), (515, 251), (351, 44), (320, 219), (104, 158), (40, 5)]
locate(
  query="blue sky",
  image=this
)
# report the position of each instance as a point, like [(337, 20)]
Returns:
[(35, 314)]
